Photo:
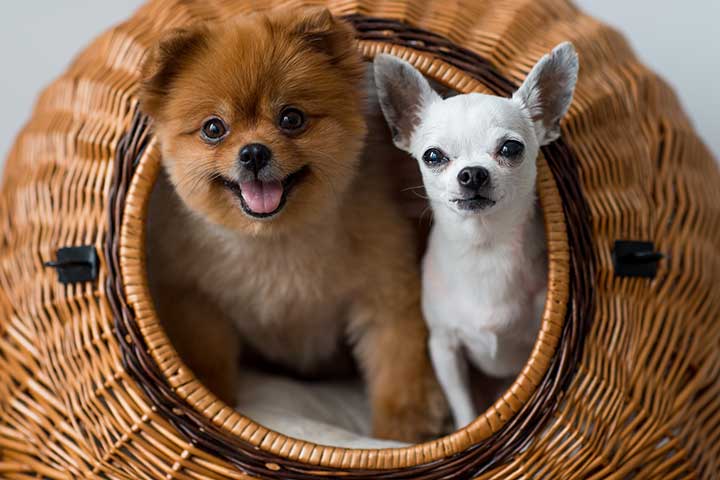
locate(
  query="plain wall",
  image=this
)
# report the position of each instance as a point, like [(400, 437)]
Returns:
[(678, 39)]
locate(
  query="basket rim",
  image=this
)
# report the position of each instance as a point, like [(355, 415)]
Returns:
[(126, 256)]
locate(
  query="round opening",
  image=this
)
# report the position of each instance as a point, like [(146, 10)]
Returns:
[(227, 419)]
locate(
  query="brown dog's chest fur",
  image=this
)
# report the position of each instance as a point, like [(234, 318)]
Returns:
[(289, 297), (289, 303)]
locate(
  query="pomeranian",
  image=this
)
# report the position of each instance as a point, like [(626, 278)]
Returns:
[(272, 232), (485, 269)]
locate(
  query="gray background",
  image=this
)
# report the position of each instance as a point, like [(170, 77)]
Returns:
[(678, 39)]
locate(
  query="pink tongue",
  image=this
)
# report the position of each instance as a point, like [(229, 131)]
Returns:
[(262, 197)]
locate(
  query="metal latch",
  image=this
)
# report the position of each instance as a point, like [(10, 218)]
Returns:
[(76, 264), (635, 259)]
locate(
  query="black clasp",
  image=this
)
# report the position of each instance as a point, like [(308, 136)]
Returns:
[(635, 259), (76, 264)]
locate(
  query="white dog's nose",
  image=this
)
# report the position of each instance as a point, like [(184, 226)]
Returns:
[(473, 177)]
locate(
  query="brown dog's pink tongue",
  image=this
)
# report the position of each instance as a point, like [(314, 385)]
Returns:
[(262, 197)]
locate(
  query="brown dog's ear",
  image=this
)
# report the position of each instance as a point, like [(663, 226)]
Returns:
[(326, 34), (164, 61), (321, 31), (314, 21)]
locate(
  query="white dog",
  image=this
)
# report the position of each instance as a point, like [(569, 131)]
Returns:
[(485, 270)]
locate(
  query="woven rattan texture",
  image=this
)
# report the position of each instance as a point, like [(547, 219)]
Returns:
[(642, 399)]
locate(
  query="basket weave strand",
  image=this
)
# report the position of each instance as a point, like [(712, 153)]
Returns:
[(623, 381)]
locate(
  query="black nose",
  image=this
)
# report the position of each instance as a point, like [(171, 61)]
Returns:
[(473, 177), (254, 156)]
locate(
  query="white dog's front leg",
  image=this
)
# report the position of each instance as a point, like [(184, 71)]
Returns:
[(452, 371)]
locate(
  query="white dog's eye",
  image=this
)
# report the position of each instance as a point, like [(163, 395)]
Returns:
[(434, 157), (511, 149)]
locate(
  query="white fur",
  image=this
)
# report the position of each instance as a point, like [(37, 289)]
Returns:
[(485, 271), (333, 413)]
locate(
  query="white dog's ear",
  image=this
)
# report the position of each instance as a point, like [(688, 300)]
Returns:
[(548, 91), (402, 92)]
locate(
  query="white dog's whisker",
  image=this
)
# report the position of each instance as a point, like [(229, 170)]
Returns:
[(414, 191)]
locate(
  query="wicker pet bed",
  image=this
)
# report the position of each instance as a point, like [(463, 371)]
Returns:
[(624, 378)]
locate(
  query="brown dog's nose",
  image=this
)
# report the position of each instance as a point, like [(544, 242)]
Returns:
[(473, 177), (254, 157)]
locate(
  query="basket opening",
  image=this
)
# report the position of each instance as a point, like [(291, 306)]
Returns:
[(326, 410), (328, 403)]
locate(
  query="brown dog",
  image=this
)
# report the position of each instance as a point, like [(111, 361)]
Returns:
[(272, 228)]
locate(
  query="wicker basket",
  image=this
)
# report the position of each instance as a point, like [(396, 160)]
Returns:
[(624, 378)]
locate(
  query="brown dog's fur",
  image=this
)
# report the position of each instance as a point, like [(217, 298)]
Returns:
[(335, 267)]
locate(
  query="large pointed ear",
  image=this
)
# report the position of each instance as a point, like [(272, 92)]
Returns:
[(403, 92), (548, 91), (164, 61)]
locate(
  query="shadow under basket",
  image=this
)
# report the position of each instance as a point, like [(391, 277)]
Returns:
[(623, 381)]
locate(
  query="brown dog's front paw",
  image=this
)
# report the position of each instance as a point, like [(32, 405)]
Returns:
[(411, 414)]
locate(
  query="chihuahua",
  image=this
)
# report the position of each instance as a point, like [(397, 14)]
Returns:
[(272, 233), (485, 268)]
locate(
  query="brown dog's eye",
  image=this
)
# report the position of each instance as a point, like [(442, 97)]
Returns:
[(291, 119), (213, 130)]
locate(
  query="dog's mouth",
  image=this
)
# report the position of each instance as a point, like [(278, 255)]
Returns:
[(265, 199), (476, 202)]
